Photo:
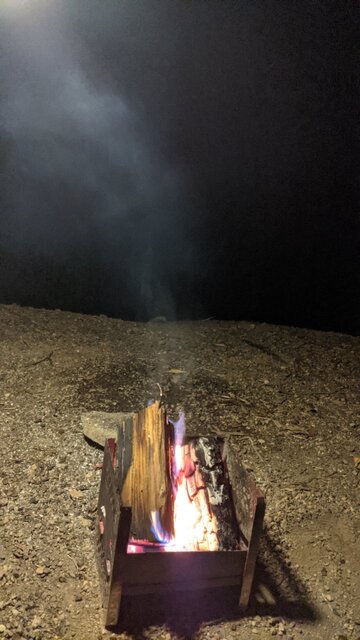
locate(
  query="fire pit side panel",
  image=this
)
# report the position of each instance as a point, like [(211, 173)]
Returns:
[(182, 571), (113, 533)]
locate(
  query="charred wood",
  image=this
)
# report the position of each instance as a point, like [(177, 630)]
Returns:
[(210, 472)]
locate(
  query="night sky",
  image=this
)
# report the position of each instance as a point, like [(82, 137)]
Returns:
[(185, 159)]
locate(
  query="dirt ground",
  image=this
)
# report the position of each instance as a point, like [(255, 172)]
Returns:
[(287, 398)]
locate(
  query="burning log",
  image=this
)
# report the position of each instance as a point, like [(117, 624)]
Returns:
[(145, 442), (209, 472)]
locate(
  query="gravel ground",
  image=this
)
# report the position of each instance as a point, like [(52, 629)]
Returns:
[(287, 398)]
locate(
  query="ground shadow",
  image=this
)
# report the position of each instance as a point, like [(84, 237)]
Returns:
[(277, 591)]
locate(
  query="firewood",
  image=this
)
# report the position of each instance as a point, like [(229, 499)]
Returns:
[(211, 472), (144, 448)]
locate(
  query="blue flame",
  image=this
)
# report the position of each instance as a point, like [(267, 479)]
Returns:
[(179, 428), (157, 529), (179, 432)]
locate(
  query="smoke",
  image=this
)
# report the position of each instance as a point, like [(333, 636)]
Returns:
[(83, 174), (180, 159)]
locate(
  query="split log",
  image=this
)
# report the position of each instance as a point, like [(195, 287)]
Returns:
[(210, 471), (144, 446)]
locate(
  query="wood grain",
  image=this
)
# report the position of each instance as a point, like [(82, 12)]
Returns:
[(144, 472)]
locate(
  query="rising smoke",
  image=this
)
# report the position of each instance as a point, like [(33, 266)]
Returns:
[(180, 159), (83, 178)]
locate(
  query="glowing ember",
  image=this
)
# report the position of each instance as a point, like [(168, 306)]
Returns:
[(194, 523)]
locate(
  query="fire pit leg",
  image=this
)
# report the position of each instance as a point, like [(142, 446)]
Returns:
[(249, 504), (114, 521), (249, 569), (117, 573)]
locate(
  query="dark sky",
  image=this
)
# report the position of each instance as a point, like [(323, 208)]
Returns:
[(190, 159)]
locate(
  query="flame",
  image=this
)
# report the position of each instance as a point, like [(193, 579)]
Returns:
[(194, 524), (157, 529), (179, 430)]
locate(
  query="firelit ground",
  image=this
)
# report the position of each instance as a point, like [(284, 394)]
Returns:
[(289, 400)]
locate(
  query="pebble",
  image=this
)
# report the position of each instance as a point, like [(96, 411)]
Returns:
[(41, 571)]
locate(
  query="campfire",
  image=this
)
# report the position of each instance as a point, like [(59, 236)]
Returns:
[(196, 513), (174, 512)]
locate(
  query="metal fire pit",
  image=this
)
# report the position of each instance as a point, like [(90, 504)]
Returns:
[(143, 573)]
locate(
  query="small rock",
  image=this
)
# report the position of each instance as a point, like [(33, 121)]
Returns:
[(275, 621), (292, 625), (85, 522), (75, 494), (98, 426), (36, 622)]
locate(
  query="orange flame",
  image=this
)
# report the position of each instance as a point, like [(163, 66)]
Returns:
[(195, 526)]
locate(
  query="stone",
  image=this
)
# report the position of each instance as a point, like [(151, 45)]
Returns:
[(75, 494), (40, 571), (98, 426)]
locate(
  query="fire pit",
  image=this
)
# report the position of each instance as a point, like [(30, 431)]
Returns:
[(174, 513)]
